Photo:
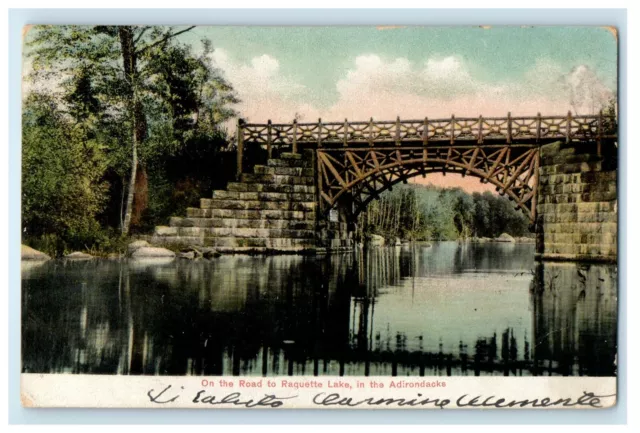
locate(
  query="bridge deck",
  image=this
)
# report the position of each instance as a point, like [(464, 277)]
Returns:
[(528, 131), (508, 129)]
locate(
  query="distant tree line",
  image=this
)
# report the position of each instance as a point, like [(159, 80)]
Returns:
[(419, 212), (122, 127)]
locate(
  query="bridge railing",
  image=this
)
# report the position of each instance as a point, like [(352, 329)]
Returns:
[(531, 129)]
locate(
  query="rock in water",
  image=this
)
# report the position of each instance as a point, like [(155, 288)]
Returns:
[(504, 237), (525, 240), (133, 246), (77, 255), (210, 253), (187, 255), (28, 253), (148, 252)]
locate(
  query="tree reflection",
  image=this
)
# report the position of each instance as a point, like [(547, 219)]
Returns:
[(331, 315)]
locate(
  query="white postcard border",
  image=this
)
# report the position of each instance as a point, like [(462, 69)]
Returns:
[(308, 392)]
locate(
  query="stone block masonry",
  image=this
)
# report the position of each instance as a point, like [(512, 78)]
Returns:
[(272, 210), (577, 205)]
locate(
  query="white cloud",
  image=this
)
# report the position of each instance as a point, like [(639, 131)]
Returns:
[(264, 91), (587, 94), (437, 87)]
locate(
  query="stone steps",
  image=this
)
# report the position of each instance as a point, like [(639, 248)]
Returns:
[(243, 223), (194, 212), (256, 187), (272, 209), (264, 196), (207, 203), (278, 179), (237, 232), (288, 163), (286, 171)]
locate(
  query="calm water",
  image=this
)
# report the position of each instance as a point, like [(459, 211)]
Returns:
[(448, 309)]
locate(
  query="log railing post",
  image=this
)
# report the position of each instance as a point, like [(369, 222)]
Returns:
[(538, 128), (425, 132), (269, 151), (319, 132), (480, 129), (453, 128), (346, 133), (240, 149), (569, 126), (509, 127), (599, 134), (294, 142), (398, 131), (370, 138)]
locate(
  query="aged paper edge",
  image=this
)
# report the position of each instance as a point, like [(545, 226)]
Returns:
[(305, 392)]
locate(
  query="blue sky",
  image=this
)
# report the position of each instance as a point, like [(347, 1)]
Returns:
[(368, 71)]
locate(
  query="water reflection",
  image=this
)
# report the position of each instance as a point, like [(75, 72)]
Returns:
[(448, 309)]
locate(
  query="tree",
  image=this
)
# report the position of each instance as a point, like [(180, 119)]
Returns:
[(464, 209), (426, 212), (133, 80), (62, 190)]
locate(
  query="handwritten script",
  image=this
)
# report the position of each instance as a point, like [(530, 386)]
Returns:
[(169, 395)]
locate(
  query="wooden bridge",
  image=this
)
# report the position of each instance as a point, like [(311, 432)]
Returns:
[(561, 171), (365, 158)]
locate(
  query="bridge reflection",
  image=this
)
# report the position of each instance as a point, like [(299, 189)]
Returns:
[(394, 311)]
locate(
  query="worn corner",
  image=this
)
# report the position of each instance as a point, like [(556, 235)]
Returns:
[(26, 400), (613, 30), (25, 30)]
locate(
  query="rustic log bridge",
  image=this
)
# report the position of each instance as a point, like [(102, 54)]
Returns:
[(366, 157), (561, 171)]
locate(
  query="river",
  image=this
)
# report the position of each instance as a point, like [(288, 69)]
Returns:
[(443, 309)]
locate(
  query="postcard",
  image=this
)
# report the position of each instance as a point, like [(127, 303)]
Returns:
[(319, 217)]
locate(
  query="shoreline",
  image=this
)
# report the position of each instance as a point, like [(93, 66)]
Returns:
[(30, 254)]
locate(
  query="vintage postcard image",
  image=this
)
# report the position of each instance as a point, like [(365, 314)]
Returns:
[(319, 217)]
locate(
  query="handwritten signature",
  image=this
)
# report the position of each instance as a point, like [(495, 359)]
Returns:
[(234, 399), (587, 399)]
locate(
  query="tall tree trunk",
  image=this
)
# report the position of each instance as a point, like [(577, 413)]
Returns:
[(138, 122), (140, 195), (132, 185)]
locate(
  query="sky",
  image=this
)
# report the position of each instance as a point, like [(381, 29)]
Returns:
[(383, 72), (357, 73), (333, 73)]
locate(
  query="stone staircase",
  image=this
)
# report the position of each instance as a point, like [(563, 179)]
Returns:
[(271, 210)]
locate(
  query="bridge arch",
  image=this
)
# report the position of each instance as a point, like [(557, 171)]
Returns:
[(363, 195), (363, 158), (364, 175)]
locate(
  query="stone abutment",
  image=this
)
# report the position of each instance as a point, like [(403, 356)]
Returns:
[(275, 209), (577, 205)]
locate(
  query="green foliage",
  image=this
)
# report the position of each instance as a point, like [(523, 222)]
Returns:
[(62, 190), (79, 133), (416, 212), (610, 122), (494, 215)]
